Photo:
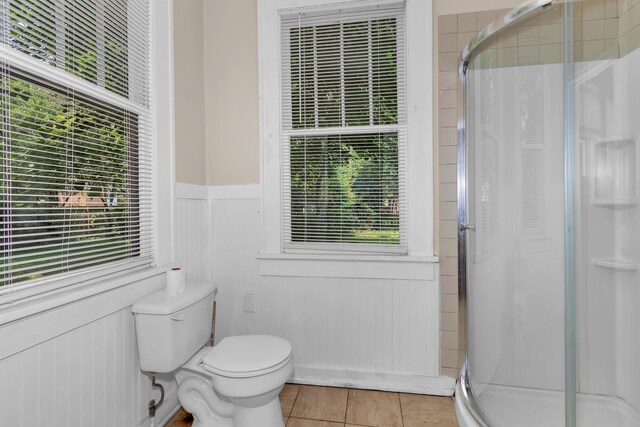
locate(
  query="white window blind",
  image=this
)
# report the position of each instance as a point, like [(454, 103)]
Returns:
[(75, 147), (344, 130)]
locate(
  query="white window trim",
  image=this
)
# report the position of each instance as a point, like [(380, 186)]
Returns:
[(28, 301), (335, 266), (420, 181)]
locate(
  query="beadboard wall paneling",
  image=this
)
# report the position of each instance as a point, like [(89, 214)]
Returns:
[(361, 332), (193, 239), (89, 376)]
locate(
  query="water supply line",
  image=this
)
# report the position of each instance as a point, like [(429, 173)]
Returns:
[(152, 404), (212, 338)]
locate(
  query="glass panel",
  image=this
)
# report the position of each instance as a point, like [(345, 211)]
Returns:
[(553, 186), (87, 39), (345, 74), (344, 189), (515, 126), (71, 200)]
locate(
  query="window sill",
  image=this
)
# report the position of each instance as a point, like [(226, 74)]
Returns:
[(390, 267), (26, 303), (27, 322)]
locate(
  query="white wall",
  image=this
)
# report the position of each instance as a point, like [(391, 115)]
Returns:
[(624, 286), (78, 365), (628, 289), (376, 333), (193, 237)]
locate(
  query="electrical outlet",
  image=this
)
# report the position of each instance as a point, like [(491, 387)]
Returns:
[(249, 303)]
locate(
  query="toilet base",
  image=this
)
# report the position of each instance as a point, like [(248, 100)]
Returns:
[(269, 415), (198, 396)]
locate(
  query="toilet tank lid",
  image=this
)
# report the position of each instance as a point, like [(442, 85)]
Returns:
[(160, 303)]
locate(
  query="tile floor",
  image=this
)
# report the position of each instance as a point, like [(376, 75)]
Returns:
[(311, 406)]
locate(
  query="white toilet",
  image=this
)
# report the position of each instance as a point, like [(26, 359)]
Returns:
[(236, 383)]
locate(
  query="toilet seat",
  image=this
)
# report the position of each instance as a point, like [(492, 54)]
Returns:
[(248, 356)]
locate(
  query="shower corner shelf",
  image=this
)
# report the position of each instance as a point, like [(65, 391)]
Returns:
[(614, 166), (616, 204), (614, 264)]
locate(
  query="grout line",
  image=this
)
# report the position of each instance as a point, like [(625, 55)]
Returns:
[(401, 413), (294, 402), (326, 421), (346, 408)]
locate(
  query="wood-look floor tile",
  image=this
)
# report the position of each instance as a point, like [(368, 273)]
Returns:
[(374, 408), (321, 403), (434, 411), (181, 419), (288, 397), (301, 422)]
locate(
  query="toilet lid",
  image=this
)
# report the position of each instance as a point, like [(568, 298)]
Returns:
[(246, 354)]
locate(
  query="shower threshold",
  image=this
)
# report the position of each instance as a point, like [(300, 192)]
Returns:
[(527, 407)]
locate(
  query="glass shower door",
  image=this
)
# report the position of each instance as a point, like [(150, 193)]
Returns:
[(514, 225), (549, 185)]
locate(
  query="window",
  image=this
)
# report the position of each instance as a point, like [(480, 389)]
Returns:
[(75, 147), (344, 133)]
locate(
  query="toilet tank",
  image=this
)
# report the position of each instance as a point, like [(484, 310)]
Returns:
[(170, 329)]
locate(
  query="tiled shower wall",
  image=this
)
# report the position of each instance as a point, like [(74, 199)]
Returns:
[(628, 25), (454, 32), (603, 29)]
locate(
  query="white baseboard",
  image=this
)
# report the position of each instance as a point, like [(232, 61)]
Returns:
[(404, 383)]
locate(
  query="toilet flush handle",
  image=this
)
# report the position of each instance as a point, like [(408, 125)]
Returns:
[(178, 317)]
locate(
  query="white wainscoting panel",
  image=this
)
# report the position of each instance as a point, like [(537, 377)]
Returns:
[(89, 376), (361, 332), (74, 379), (192, 230)]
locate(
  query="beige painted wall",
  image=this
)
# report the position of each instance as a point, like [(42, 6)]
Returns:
[(217, 117), (231, 92), (188, 39)]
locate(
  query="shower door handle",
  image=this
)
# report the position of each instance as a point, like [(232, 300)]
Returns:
[(465, 227)]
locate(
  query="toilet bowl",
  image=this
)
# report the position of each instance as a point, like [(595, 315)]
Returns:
[(244, 389), (235, 383)]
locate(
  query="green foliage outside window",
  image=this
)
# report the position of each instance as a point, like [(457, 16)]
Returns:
[(67, 165), (345, 189)]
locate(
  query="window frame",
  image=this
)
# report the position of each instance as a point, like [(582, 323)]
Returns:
[(419, 120), (291, 132), (54, 291), (133, 175)]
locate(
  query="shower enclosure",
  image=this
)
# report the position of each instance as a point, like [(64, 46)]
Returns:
[(549, 219)]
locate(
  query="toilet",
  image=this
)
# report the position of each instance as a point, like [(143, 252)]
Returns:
[(235, 383)]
